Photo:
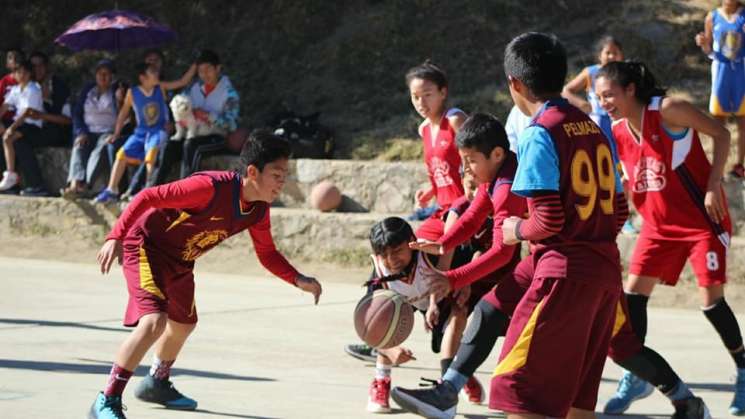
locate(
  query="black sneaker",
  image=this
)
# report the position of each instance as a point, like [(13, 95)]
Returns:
[(35, 191), (693, 408), (163, 392), (362, 352), (438, 402)]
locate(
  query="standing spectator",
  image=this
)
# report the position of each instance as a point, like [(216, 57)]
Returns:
[(215, 101), (516, 123), (721, 40), (94, 117), (56, 130), (24, 97)]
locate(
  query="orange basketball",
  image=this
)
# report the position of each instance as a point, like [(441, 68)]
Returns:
[(383, 319), (325, 196)]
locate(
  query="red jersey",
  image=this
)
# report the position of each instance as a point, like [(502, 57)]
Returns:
[(443, 161), (668, 175), (493, 199), (183, 220), (5, 84)]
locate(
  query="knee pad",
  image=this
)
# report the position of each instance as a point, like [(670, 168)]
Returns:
[(485, 323)]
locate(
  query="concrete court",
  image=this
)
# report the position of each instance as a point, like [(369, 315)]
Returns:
[(262, 350)]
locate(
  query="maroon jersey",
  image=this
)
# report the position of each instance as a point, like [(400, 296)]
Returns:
[(482, 239), (185, 235)]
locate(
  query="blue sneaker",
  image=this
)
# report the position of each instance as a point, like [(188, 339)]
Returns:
[(107, 407), (737, 408), (106, 196), (630, 388), (163, 392)]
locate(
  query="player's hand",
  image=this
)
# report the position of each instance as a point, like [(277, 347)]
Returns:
[(427, 246), (431, 317), (439, 285), (462, 295), (422, 197), (112, 138), (310, 285), (509, 227), (81, 140), (714, 202), (398, 355), (110, 250)]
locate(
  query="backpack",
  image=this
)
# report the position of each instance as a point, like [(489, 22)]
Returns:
[(308, 138)]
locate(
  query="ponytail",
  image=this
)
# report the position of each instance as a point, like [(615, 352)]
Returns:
[(624, 73)]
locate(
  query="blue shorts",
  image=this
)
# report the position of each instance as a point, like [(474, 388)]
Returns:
[(143, 146), (727, 88)]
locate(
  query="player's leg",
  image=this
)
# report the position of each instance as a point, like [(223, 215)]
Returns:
[(738, 98), (378, 396), (10, 177), (708, 259), (487, 322), (738, 170), (157, 387)]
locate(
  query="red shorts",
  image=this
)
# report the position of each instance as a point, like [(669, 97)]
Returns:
[(555, 349), (665, 259), (157, 285), (431, 229)]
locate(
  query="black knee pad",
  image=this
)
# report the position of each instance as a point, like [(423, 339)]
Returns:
[(485, 323)]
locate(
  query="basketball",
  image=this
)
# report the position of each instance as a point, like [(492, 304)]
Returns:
[(383, 319), (325, 196)]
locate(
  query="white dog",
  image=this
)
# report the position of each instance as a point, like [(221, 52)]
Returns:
[(187, 126)]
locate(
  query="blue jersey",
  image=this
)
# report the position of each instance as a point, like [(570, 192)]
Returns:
[(728, 36), (597, 114), (151, 111), (728, 66)]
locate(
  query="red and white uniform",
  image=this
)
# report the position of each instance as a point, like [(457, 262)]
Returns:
[(443, 167), (668, 174)]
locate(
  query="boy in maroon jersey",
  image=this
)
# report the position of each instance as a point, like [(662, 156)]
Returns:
[(158, 238)]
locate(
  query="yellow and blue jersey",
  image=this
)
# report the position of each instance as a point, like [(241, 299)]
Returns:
[(728, 66)]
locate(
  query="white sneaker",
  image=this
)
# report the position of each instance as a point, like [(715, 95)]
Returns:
[(10, 179)]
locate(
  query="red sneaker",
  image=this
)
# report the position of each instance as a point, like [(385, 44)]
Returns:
[(380, 391), (474, 391)]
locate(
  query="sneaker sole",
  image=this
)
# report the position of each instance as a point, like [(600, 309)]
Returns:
[(415, 406), (645, 394), (376, 408), (164, 404), (360, 357)]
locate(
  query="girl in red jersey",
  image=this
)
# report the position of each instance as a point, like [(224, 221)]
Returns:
[(428, 86), (678, 194), (157, 240)]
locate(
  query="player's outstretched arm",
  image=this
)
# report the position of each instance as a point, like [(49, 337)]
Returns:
[(110, 250), (310, 285)]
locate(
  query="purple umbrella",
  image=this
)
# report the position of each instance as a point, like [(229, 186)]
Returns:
[(115, 30)]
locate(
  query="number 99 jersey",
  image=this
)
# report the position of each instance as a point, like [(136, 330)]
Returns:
[(565, 151)]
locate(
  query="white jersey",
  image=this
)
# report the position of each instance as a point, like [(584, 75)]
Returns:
[(409, 287)]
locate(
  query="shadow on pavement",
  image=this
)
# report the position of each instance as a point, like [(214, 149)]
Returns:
[(103, 368), (29, 323)]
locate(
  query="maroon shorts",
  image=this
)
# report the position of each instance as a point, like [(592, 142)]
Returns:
[(624, 342), (157, 285), (665, 259), (555, 348)]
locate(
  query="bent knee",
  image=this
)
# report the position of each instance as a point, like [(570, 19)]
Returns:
[(153, 324)]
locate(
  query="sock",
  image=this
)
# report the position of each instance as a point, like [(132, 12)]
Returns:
[(651, 367), (161, 369), (382, 371), (455, 378), (444, 365), (637, 304), (680, 392), (721, 317), (118, 378)]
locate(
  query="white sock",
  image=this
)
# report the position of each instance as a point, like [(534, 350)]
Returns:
[(382, 370)]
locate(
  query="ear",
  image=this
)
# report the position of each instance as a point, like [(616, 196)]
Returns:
[(516, 85), (630, 89), (444, 91), (497, 154), (252, 172)]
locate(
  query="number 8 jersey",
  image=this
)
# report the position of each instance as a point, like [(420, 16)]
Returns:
[(668, 173)]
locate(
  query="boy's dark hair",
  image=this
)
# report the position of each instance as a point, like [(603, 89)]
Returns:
[(25, 65), (482, 132), (624, 73), (207, 56), (17, 54), (539, 61), (141, 69), (155, 51), (607, 40), (39, 54), (428, 71), (262, 147), (389, 232)]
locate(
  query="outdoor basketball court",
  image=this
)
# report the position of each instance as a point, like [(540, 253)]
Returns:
[(261, 350)]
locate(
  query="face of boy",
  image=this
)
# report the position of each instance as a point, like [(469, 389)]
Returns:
[(208, 73), (150, 78), (396, 258), (269, 182), (610, 53), (103, 78), (614, 99), (40, 68), (22, 75), (427, 98), (10, 62), (154, 60), (483, 168)]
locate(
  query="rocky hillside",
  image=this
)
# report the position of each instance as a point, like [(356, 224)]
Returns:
[(346, 59)]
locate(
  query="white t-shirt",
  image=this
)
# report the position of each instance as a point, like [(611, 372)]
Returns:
[(516, 123), (418, 286), (99, 112), (21, 99)]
